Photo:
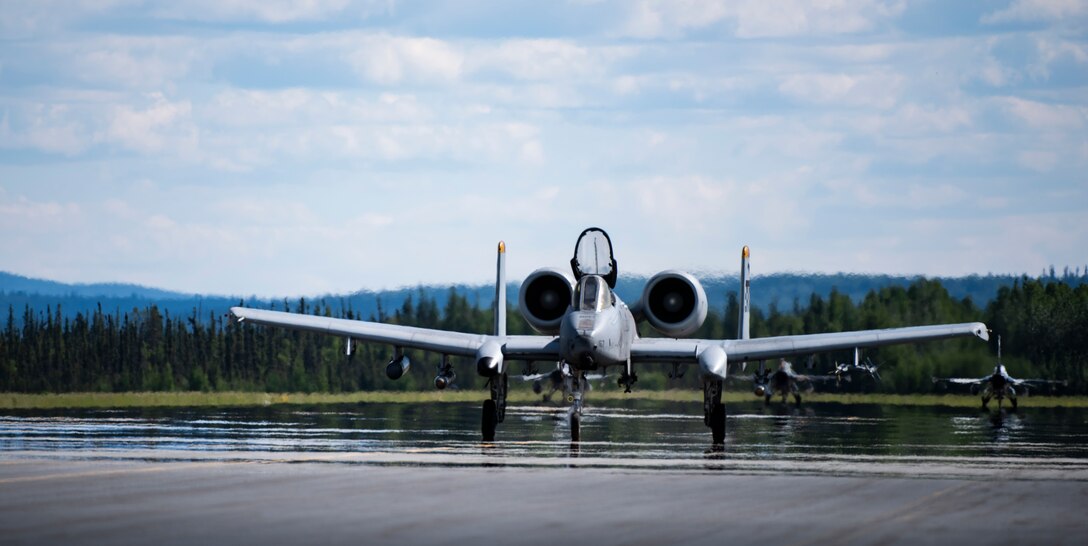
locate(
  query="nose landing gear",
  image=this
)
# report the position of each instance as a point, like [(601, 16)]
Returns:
[(575, 383)]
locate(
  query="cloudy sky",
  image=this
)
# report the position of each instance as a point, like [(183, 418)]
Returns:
[(283, 147)]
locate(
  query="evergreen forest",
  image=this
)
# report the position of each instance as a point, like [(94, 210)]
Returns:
[(1043, 324)]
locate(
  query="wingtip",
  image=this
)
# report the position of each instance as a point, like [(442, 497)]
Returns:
[(982, 332), (236, 313)]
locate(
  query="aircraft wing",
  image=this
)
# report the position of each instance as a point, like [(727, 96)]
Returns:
[(963, 380), (408, 337), (1041, 382), (746, 350)]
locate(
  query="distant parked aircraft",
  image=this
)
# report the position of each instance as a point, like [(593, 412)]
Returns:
[(998, 384)]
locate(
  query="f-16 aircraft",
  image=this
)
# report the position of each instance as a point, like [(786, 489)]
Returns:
[(559, 379), (998, 384), (843, 371), (785, 381), (583, 324)]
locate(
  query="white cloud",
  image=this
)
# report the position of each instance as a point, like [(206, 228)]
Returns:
[(21, 214), (1050, 50), (915, 120), (1038, 10), (851, 91), (652, 18), (249, 108), (135, 62), (755, 18), (160, 125), (993, 72), (271, 11), (1038, 160), (1046, 116), (389, 60), (538, 59), (376, 138), (46, 128)]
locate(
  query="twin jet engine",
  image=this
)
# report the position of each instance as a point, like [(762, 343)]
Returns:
[(673, 302)]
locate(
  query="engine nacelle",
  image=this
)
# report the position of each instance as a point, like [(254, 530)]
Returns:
[(674, 303), (544, 299)]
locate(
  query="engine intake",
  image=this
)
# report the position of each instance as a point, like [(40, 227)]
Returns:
[(544, 299), (674, 303)]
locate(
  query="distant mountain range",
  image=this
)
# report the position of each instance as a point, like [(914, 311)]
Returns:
[(780, 289)]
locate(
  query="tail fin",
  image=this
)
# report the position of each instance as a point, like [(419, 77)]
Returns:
[(500, 292), (745, 295)]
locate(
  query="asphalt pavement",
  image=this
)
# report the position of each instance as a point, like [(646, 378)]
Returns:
[(162, 498)]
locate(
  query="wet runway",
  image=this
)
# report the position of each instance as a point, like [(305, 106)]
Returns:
[(400, 473)]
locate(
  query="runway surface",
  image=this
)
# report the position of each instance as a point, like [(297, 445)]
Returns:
[(394, 474)]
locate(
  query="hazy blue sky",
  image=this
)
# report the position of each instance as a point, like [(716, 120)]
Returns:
[(285, 148)]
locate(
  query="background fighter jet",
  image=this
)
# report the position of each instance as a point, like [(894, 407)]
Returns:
[(998, 384), (784, 381), (844, 371), (559, 379), (583, 324)]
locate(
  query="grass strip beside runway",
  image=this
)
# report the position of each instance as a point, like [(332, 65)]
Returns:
[(236, 399)]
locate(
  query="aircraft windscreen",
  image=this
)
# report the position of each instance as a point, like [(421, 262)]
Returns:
[(594, 254)]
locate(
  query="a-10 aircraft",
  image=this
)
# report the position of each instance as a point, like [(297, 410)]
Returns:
[(999, 384), (583, 324)]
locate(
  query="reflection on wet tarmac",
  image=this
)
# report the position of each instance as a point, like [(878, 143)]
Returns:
[(829, 437)]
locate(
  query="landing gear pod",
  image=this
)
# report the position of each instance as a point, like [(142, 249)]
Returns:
[(489, 360), (396, 367)]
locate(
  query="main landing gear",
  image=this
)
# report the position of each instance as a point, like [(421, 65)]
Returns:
[(714, 410), (494, 410)]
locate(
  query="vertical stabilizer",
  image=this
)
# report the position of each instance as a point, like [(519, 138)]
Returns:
[(500, 292), (745, 295)]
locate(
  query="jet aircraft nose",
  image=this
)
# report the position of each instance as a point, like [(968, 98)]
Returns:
[(580, 351)]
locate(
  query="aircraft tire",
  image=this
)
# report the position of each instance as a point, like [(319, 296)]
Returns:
[(489, 420), (717, 424), (575, 427)]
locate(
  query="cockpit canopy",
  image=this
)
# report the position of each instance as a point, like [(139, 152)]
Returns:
[(593, 256), (592, 294)]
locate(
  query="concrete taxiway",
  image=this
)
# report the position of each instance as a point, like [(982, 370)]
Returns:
[(166, 498)]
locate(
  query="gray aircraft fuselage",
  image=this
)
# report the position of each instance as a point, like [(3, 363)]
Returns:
[(999, 384), (599, 330)]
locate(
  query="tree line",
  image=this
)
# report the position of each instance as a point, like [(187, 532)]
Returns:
[(1043, 323)]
